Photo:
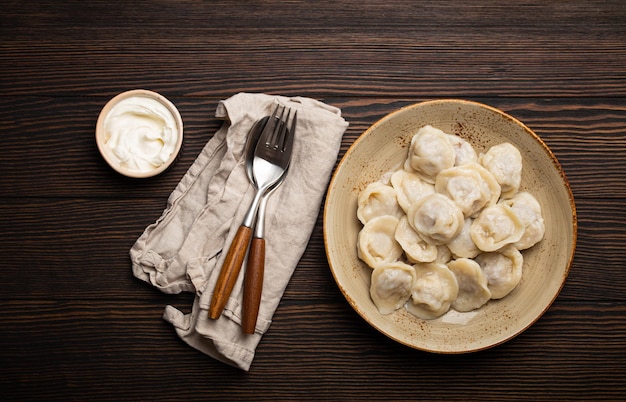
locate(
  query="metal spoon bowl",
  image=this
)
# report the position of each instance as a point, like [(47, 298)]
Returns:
[(255, 266), (270, 160)]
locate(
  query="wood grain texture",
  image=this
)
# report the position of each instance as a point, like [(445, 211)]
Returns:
[(253, 285), (229, 272), (76, 325)]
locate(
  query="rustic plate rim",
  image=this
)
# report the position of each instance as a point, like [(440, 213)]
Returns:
[(536, 138)]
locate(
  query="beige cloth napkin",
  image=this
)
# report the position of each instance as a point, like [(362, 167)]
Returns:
[(185, 248)]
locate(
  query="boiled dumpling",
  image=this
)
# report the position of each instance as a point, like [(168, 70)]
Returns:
[(504, 161), (489, 182), (410, 188), (436, 218), (528, 210), (458, 216), (416, 249), (464, 187), (430, 152), (434, 290), (391, 286), (467, 187), (377, 243), (463, 245), (377, 199), (463, 151), (503, 270), (495, 227), (473, 290), (444, 255)]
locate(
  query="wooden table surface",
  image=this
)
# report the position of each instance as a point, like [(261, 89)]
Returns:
[(76, 325)]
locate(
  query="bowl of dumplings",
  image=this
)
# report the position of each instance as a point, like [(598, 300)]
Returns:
[(450, 226)]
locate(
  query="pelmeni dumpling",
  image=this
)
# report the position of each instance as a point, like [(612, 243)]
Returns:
[(495, 227), (436, 218), (463, 151), (462, 246), (410, 188), (434, 290), (504, 161), (458, 216), (444, 255), (391, 286), (503, 270), (473, 290), (416, 249), (489, 182), (430, 153), (528, 210), (377, 199), (377, 243), (466, 186)]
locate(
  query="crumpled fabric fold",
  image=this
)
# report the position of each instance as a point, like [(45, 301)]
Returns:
[(184, 249)]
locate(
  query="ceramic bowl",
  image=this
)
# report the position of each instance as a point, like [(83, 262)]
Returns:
[(141, 115), (382, 148)]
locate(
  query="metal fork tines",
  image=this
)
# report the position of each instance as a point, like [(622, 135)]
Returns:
[(274, 147), (277, 138), (271, 160)]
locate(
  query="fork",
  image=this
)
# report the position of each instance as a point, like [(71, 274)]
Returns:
[(271, 159)]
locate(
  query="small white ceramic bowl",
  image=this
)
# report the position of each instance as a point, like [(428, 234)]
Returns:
[(382, 148), (133, 121)]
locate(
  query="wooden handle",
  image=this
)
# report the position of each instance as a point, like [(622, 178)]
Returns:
[(230, 271), (253, 284)]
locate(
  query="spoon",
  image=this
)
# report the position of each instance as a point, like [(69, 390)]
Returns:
[(255, 266), (271, 158)]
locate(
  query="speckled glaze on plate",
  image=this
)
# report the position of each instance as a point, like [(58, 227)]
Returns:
[(382, 148)]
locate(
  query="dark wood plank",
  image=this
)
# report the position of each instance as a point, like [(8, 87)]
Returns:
[(62, 240), (76, 325), (100, 351), (366, 49), (58, 137)]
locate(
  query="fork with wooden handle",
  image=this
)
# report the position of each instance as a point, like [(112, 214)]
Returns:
[(271, 159), (255, 267)]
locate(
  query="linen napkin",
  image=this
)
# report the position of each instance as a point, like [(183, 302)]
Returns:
[(185, 248)]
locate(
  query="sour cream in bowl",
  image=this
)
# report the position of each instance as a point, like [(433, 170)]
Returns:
[(139, 133)]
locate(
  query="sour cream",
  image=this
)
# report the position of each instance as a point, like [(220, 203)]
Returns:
[(140, 134)]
